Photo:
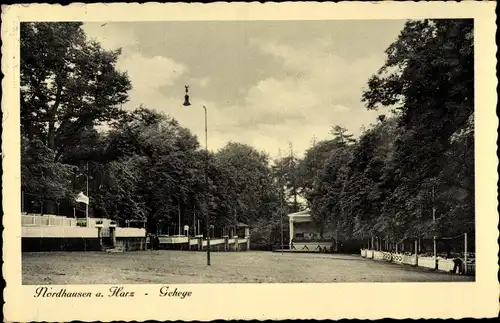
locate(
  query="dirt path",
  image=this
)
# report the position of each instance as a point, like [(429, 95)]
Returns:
[(157, 267)]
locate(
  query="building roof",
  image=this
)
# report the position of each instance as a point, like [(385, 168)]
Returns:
[(302, 216), (241, 225)]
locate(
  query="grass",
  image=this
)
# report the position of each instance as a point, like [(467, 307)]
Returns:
[(178, 267)]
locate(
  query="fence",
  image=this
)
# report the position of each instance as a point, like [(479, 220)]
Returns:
[(311, 246), (445, 264), (47, 220), (199, 243), (427, 262), (378, 255), (130, 232), (389, 256), (442, 264), (58, 232)]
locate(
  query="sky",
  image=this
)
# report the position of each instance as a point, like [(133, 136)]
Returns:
[(269, 84)]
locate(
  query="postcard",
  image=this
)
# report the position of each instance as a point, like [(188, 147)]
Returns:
[(249, 161)]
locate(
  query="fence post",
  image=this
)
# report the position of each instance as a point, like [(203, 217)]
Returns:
[(435, 253), (99, 234), (465, 254), (416, 252), (200, 243)]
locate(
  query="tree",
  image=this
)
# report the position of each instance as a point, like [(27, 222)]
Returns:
[(249, 175), (41, 177), (322, 175), (68, 84), (429, 77), (312, 163), (325, 197), (428, 81), (117, 196), (286, 173), (341, 135), (366, 187), (171, 171), (420, 157)]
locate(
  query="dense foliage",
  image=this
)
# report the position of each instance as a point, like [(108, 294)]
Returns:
[(147, 166), (420, 157)]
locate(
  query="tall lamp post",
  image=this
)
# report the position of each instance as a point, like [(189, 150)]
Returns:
[(207, 225), (280, 194)]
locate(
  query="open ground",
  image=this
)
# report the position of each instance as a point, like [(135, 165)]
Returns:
[(178, 267)]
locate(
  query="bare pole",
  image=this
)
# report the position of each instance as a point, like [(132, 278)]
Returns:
[(187, 103), (434, 222), (206, 189), (179, 216), (281, 199), (88, 197), (465, 253), (292, 160)]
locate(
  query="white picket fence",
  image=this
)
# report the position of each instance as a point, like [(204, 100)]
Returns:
[(388, 256), (427, 262)]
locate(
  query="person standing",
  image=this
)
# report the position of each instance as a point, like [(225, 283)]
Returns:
[(458, 265)]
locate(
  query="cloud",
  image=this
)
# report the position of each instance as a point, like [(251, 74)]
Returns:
[(202, 82), (315, 90), (149, 74), (319, 90), (110, 36)]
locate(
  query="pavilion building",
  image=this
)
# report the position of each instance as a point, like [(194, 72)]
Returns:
[(305, 234)]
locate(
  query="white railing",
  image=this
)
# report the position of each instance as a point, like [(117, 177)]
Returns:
[(379, 255), (427, 262), (443, 264), (173, 239), (409, 260), (213, 242), (58, 232), (130, 232), (94, 222), (47, 220), (216, 241)]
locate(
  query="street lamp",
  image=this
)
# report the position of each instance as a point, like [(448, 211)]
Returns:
[(207, 225)]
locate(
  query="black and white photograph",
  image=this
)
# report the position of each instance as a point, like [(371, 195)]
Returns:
[(246, 151)]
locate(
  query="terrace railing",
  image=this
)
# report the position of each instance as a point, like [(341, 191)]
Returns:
[(47, 220)]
